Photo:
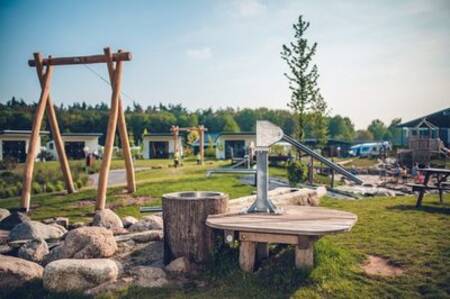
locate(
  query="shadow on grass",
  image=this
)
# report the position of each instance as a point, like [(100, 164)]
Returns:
[(442, 209)]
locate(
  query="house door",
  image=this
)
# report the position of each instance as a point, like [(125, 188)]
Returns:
[(234, 149), (158, 149), (74, 149), (14, 150)]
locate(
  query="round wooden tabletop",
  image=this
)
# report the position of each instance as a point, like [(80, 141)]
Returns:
[(295, 220)]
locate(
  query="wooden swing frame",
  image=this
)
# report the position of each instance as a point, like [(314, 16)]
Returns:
[(201, 132), (116, 120)]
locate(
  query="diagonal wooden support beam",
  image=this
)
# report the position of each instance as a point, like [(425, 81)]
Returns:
[(51, 115), (109, 142), (33, 143), (123, 133)]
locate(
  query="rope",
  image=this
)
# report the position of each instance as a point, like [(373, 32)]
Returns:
[(106, 81)]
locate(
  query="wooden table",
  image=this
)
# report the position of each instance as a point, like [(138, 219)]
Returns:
[(297, 225), (441, 175)]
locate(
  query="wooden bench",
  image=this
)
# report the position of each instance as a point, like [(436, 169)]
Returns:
[(300, 226)]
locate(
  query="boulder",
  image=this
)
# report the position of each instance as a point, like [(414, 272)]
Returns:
[(142, 237), (75, 275), (36, 230), (128, 221), (149, 277), (85, 243), (12, 220), (147, 223), (15, 272), (76, 225), (63, 221), (110, 287), (34, 250), (180, 265), (107, 218), (4, 213)]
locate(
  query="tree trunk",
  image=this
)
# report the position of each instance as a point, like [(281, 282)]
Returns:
[(185, 231)]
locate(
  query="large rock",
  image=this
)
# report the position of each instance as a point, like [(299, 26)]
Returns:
[(68, 275), (147, 223), (142, 237), (4, 213), (149, 277), (34, 250), (128, 221), (85, 243), (107, 218), (15, 272), (180, 265), (36, 230), (12, 220)]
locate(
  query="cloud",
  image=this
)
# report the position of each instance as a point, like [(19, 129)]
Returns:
[(249, 8), (199, 53)]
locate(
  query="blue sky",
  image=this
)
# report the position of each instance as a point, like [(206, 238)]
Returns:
[(377, 59)]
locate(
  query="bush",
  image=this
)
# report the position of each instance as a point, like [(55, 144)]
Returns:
[(297, 172), (8, 163), (36, 188), (59, 186), (49, 187)]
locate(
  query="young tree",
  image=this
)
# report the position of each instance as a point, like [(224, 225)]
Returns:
[(378, 129), (302, 79)]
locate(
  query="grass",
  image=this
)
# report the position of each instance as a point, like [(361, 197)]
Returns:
[(414, 239)]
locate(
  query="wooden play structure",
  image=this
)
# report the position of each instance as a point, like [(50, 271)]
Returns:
[(201, 132), (114, 63)]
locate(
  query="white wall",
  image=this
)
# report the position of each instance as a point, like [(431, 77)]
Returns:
[(156, 138), (89, 141), (220, 143), (17, 138)]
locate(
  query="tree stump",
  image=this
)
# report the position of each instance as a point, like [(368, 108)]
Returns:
[(185, 231)]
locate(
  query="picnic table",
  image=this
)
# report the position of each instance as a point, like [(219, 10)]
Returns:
[(441, 184), (300, 226)]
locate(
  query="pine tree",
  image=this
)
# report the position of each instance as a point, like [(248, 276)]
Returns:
[(303, 76)]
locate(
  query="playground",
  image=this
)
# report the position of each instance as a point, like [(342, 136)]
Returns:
[(177, 173)]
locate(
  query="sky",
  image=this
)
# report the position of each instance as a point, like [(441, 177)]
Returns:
[(376, 59)]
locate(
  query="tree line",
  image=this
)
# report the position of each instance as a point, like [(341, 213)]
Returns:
[(82, 117)]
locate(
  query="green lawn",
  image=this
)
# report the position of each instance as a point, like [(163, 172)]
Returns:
[(417, 240)]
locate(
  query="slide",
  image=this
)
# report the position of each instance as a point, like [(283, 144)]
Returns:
[(332, 165)]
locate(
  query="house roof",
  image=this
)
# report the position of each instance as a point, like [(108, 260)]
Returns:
[(81, 134), (439, 119), (329, 141), (159, 134), (21, 132), (236, 134)]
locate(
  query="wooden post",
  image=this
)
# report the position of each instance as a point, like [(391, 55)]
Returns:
[(311, 171), (51, 115), (304, 253), (131, 181), (110, 134), (202, 144), (33, 144), (185, 231), (247, 251), (175, 131), (332, 176)]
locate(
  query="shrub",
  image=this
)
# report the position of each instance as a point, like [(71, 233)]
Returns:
[(297, 172), (36, 188), (49, 187), (59, 186)]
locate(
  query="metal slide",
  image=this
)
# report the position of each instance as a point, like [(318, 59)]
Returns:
[(334, 166)]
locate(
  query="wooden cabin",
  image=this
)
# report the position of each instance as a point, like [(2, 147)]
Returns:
[(426, 138)]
